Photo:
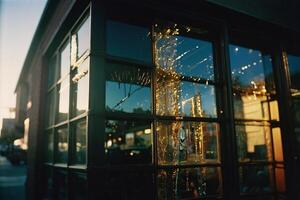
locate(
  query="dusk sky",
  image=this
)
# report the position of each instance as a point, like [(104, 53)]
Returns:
[(19, 19)]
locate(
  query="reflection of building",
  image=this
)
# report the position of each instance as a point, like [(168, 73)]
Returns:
[(182, 156)]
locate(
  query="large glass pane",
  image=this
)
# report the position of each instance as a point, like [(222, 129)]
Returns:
[(81, 88), (49, 146), (189, 183), (253, 142), (128, 142), (63, 100), (183, 98), (50, 114), (83, 37), (129, 41), (256, 179), (277, 144), (51, 71), (61, 155), (253, 83), (80, 143), (294, 69), (47, 184), (280, 179), (187, 142), (65, 61), (176, 53), (128, 89)]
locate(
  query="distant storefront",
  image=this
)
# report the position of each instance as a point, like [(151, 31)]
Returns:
[(151, 100)]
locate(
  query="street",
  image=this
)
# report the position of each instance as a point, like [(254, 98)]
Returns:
[(12, 180)]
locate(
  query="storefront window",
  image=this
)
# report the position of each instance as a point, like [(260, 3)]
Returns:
[(189, 183), (128, 41), (254, 142), (65, 61), (81, 88), (63, 100), (128, 142), (182, 143), (62, 145), (253, 83), (128, 89), (80, 143), (184, 71)]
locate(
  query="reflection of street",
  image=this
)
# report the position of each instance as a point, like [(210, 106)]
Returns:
[(12, 180)]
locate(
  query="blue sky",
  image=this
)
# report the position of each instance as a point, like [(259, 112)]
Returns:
[(19, 19)]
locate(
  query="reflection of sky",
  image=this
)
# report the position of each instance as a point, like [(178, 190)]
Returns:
[(193, 57), (128, 41), (65, 61), (207, 94), (115, 92), (248, 65), (84, 37)]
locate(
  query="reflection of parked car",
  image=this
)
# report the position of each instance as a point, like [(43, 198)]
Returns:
[(17, 156)]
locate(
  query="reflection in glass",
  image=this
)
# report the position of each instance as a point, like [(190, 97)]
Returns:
[(81, 88), (50, 146), (277, 144), (256, 179), (253, 142), (51, 71), (50, 108), (294, 69), (129, 41), (128, 142), (61, 155), (177, 54), (280, 179), (63, 100), (253, 83), (175, 97), (80, 143), (82, 39), (187, 142), (65, 61), (128, 89), (188, 183)]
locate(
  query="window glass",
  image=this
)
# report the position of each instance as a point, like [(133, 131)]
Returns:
[(256, 179), (65, 61), (253, 142), (175, 97), (80, 143), (280, 179), (50, 108), (128, 89), (50, 146), (128, 41), (83, 37), (178, 54), (81, 88), (277, 144), (253, 83), (187, 142), (62, 145), (294, 68), (128, 142), (51, 71), (188, 183), (63, 100)]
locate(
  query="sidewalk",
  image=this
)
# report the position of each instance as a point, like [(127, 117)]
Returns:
[(12, 180)]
